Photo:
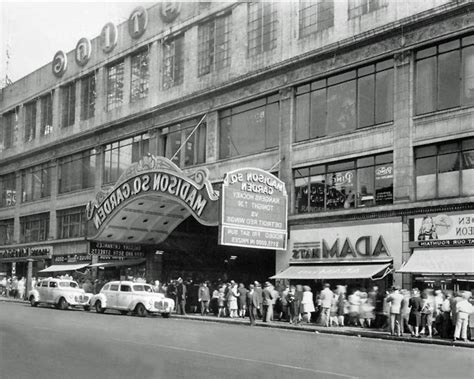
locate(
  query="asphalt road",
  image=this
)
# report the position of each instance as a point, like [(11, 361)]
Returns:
[(47, 343)]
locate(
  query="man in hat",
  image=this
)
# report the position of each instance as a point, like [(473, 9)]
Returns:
[(267, 302), (253, 304), (181, 296)]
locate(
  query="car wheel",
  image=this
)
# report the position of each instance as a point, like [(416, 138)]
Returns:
[(98, 307), (63, 305), (140, 310), (165, 315), (123, 312), (87, 308), (33, 302)]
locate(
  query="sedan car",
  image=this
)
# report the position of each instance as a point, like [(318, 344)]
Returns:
[(63, 293), (126, 296)]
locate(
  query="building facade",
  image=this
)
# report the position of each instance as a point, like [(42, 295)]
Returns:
[(365, 109)]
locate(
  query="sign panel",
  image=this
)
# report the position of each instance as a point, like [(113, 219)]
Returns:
[(109, 251), (72, 258), (442, 230), (43, 252), (254, 210)]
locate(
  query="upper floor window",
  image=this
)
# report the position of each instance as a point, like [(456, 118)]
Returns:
[(6, 232), (140, 75), (115, 83), (121, 154), (214, 45), (445, 170), (262, 26), (345, 102), (88, 95), (77, 171), (315, 16), (36, 183), (30, 121), (445, 75), (360, 7), (362, 182), (10, 128), (34, 228), (249, 128), (71, 223), (47, 114), (194, 150), (8, 190), (173, 61), (68, 104)]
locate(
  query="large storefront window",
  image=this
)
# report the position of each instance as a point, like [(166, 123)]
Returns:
[(445, 76), (249, 128), (7, 190), (262, 27), (71, 223), (115, 83), (194, 151), (315, 16), (445, 170), (119, 155), (140, 76), (34, 228), (77, 171), (342, 103), (36, 183), (361, 182), (6, 232)]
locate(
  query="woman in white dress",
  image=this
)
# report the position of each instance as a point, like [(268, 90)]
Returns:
[(307, 303)]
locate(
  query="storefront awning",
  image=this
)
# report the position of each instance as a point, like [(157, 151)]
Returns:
[(440, 261), (334, 272), (58, 268), (127, 263)]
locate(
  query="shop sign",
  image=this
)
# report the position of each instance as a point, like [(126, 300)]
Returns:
[(384, 184), (83, 51), (254, 210), (59, 64), (107, 251), (43, 252), (442, 230), (137, 22), (108, 37), (72, 258), (345, 243)]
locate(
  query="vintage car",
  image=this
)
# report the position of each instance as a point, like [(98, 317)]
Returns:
[(126, 296), (63, 293)]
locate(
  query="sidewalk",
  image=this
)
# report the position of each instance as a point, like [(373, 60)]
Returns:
[(344, 331)]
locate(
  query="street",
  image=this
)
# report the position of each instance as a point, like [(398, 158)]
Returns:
[(47, 343)]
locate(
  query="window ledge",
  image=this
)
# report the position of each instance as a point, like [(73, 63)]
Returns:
[(442, 115)]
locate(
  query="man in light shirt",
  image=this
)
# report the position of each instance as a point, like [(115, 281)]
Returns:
[(395, 300), (326, 299), (463, 310)]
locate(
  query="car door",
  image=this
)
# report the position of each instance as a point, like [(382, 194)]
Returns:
[(125, 296), (52, 291), (111, 293), (42, 288)]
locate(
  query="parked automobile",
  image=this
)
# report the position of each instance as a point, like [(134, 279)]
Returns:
[(63, 293), (126, 296)]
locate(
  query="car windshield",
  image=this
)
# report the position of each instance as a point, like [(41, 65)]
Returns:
[(68, 284), (142, 288)]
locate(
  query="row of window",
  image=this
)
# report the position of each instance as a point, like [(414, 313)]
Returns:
[(70, 222)]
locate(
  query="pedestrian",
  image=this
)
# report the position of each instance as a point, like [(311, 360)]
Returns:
[(446, 324), (242, 300), (463, 310), (326, 297), (395, 300), (405, 311), (181, 296), (426, 314), (308, 303), (221, 301), (293, 305), (333, 318), (232, 297), (214, 303), (204, 298), (354, 307), (342, 304), (259, 291), (21, 288), (276, 304), (415, 313), (284, 304), (267, 302), (253, 304)]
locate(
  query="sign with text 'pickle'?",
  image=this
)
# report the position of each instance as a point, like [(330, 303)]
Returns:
[(254, 210)]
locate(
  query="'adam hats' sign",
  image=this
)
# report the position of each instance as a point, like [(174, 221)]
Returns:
[(254, 210)]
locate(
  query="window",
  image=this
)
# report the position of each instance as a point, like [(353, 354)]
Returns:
[(114, 287), (77, 171), (88, 95), (139, 76), (7, 190), (53, 284), (194, 151), (315, 16), (262, 27), (362, 182), (214, 45), (10, 128), (68, 105), (173, 61), (445, 76), (115, 82), (249, 128), (71, 223), (125, 288), (360, 7), (445, 170), (34, 228), (30, 121), (6, 232), (119, 155), (47, 114), (344, 102), (36, 183)]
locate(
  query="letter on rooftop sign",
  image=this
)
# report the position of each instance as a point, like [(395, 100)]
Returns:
[(108, 37), (59, 64), (137, 22), (83, 52)]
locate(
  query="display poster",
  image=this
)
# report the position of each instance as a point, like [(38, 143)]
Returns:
[(444, 230), (110, 251)]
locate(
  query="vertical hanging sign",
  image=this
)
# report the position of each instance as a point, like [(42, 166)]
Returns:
[(254, 210)]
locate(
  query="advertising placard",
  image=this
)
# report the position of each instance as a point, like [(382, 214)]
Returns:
[(110, 251), (254, 210), (443, 230)]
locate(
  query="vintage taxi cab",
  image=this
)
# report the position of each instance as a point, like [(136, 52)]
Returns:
[(127, 296), (63, 293)]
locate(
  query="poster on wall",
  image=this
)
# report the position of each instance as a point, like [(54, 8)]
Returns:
[(443, 230)]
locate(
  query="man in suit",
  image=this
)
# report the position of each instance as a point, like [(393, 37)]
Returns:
[(259, 291), (253, 304), (181, 296), (267, 296)]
